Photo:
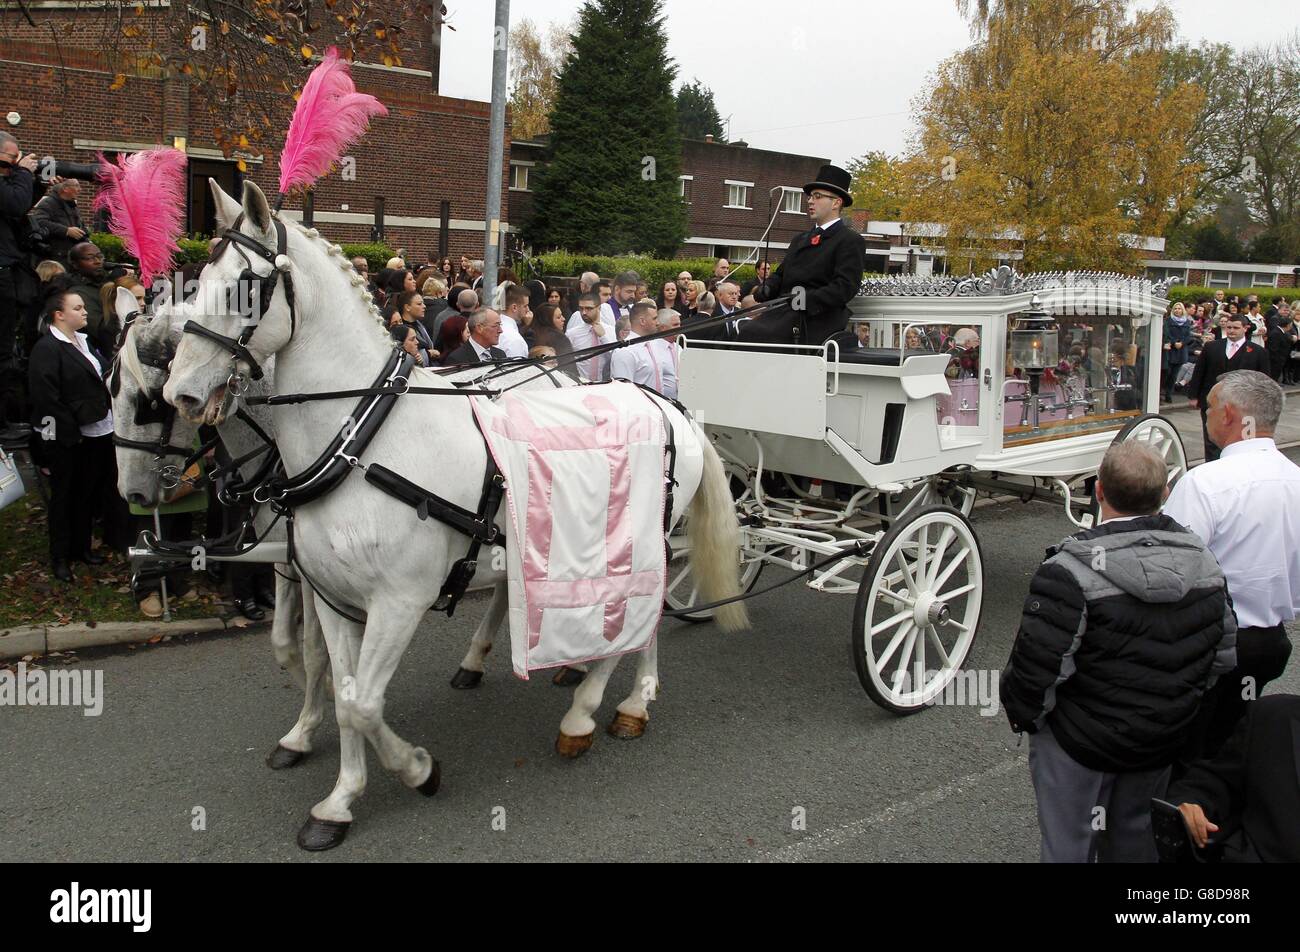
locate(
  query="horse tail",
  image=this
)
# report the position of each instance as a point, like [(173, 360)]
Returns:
[(714, 536)]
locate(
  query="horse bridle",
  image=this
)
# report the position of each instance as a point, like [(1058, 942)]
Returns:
[(240, 297), (151, 408)]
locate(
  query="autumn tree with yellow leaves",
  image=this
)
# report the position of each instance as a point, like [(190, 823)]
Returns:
[(1055, 133)]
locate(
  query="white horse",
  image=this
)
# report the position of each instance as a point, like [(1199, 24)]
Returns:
[(140, 374), (350, 541)]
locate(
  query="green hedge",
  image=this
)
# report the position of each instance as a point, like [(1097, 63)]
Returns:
[(654, 271), (1182, 293), (196, 249)]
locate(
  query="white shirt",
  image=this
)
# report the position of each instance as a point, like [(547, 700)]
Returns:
[(483, 353), (594, 369), (1245, 506), (1234, 346), (104, 426), (512, 342), (608, 316), (651, 364)]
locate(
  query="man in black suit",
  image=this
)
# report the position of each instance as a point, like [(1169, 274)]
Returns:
[(1218, 357), (484, 332), (822, 269), (727, 297), (1249, 793)]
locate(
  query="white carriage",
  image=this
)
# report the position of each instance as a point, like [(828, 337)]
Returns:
[(866, 461)]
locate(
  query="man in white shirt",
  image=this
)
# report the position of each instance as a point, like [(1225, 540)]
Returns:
[(484, 333), (513, 318), (591, 331), (618, 305), (1245, 506), (649, 362)]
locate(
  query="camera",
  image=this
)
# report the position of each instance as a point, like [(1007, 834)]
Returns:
[(85, 171)]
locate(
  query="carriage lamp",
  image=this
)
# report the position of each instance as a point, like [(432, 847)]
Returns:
[(1034, 348)]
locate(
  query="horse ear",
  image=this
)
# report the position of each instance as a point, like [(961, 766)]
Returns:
[(124, 303), (227, 207), (257, 210)]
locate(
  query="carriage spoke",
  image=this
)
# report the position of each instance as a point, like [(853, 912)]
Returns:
[(893, 645), (920, 660), (896, 597), (889, 622), (933, 636), (957, 561), (901, 561), (906, 654), (922, 545), (939, 551), (948, 596)]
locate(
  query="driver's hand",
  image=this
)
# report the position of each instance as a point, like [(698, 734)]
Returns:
[(1199, 825)]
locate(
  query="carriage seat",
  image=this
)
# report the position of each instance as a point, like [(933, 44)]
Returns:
[(879, 356)]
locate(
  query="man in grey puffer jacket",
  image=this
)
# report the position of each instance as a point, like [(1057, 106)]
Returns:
[(1125, 627)]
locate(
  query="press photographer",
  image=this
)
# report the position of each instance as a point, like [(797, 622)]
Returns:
[(19, 191)]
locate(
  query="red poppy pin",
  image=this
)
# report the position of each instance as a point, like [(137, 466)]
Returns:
[(817, 239)]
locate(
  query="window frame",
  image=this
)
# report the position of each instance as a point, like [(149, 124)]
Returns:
[(733, 183), (787, 191), (525, 166)]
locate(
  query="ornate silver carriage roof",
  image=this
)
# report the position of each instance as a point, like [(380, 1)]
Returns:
[(1006, 280)]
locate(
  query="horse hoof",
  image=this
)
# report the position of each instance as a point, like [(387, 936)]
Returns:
[(317, 835), (282, 757), (430, 786), (463, 680), (572, 747), (626, 726), (568, 677)]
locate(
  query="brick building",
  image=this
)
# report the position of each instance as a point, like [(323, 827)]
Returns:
[(430, 149), (726, 186)]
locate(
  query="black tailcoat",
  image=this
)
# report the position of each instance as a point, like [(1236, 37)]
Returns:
[(829, 273)]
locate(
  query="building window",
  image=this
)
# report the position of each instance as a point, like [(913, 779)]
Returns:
[(1219, 279), (685, 186), (1263, 280), (792, 201), (737, 254), (738, 194), (518, 178)]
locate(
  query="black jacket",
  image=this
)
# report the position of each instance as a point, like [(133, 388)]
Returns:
[(51, 219), (1213, 364), (1279, 344), (19, 191), (829, 273), (466, 354), (1251, 788), (65, 389), (1123, 628)]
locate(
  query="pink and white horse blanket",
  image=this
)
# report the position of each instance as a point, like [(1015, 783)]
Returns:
[(585, 489)]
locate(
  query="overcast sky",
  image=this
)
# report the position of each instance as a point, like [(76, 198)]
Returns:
[(819, 77)]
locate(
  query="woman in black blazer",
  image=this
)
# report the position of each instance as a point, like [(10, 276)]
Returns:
[(73, 431)]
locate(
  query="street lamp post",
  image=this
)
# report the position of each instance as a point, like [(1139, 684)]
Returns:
[(496, 150)]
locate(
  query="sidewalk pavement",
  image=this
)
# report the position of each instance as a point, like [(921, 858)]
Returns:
[(1188, 421)]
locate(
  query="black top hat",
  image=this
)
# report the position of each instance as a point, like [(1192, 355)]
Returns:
[(833, 179)]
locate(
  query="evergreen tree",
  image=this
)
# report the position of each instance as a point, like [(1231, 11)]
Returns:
[(610, 186), (697, 113)]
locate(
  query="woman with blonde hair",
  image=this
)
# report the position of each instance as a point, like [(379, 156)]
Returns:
[(107, 296), (695, 290)]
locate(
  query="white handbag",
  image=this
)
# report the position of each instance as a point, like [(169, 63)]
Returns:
[(11, 481)]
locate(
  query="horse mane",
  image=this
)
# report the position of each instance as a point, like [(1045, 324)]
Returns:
[(335, 253)]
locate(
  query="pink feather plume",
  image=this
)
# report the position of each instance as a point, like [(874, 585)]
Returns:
[(145, 196), (329, 117)]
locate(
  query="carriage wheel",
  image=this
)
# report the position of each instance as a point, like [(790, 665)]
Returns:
[(918, 608), (1163, 437), (681, 593)]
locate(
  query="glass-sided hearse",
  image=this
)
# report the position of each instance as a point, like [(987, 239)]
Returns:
[(874, 446)]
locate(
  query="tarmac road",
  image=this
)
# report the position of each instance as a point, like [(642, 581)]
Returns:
[(750, 732)]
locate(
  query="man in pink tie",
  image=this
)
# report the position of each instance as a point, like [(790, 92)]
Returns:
[(1218, 357)]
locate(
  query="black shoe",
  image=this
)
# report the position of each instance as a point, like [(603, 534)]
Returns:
[(264, 598), (248, 608), (91, 558), (61, 571)]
